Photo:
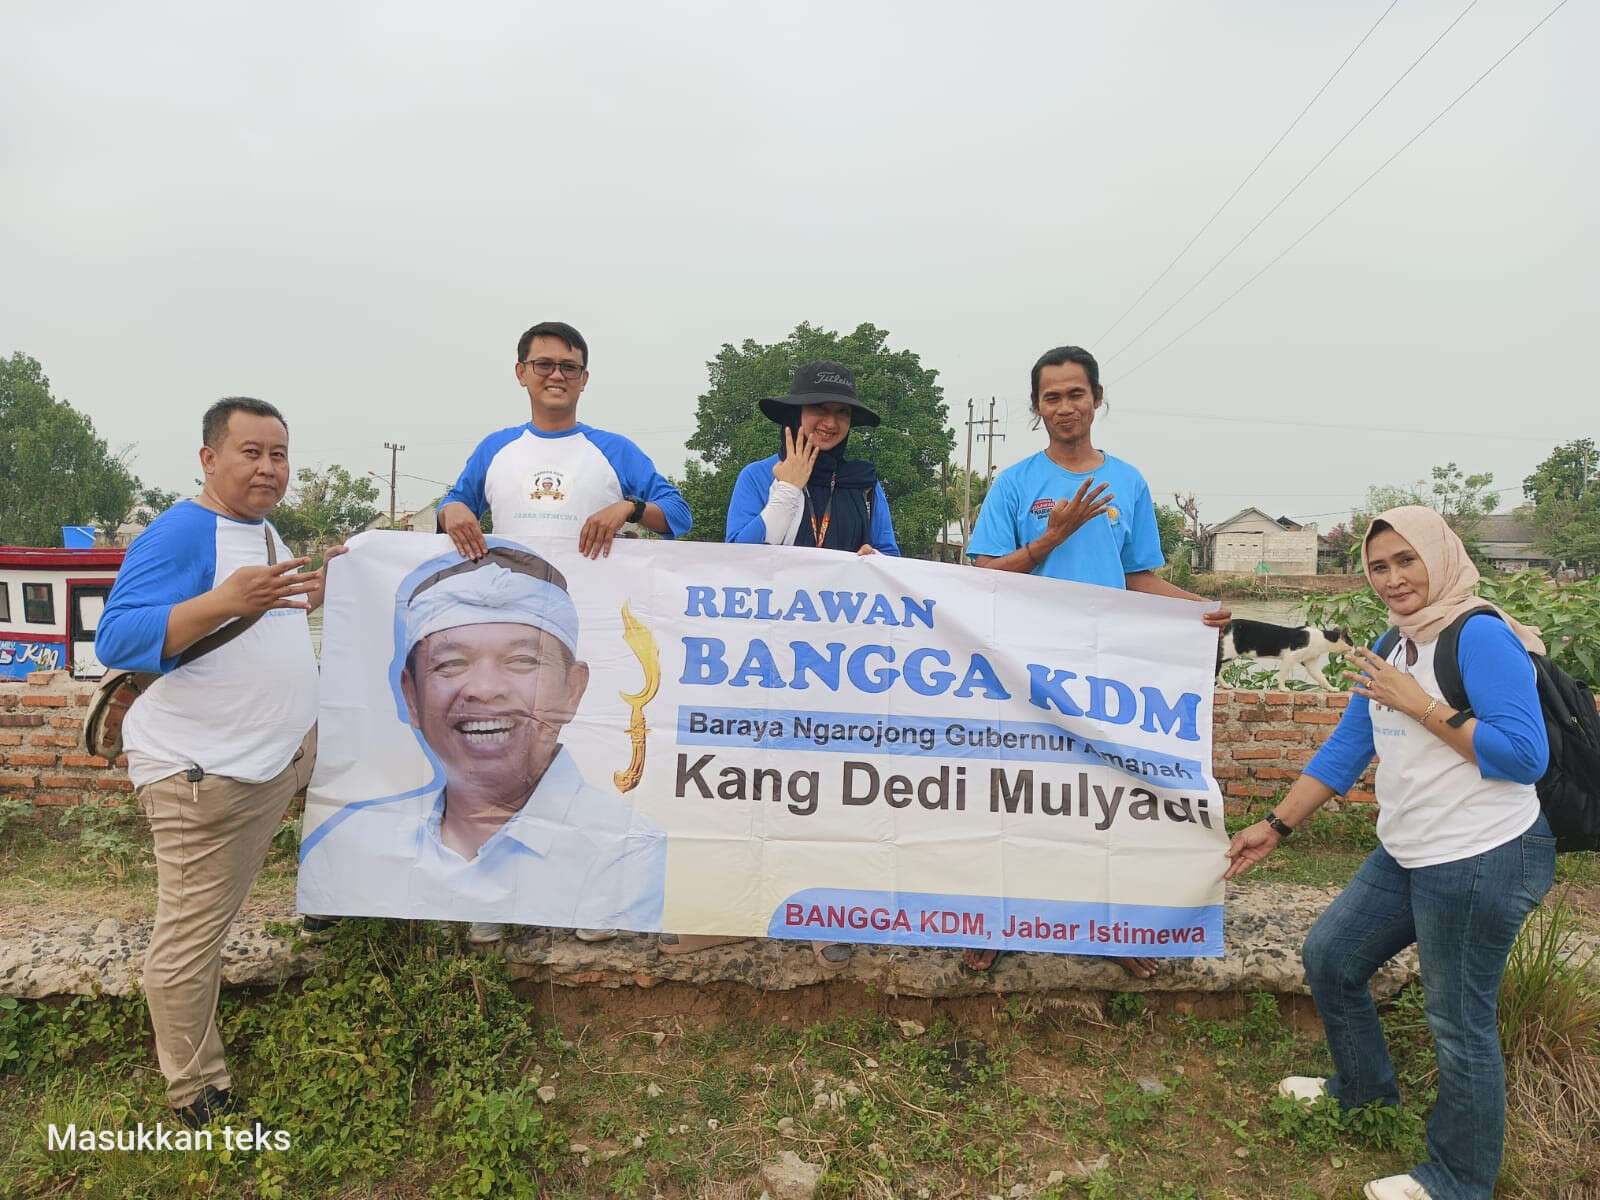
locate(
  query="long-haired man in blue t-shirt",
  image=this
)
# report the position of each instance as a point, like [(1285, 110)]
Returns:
[(1073, 512)]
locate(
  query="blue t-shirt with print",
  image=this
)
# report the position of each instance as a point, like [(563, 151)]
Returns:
[(1123, 540)]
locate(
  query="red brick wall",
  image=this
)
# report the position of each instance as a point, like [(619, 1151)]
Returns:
[(40, 718), (1262, 739)]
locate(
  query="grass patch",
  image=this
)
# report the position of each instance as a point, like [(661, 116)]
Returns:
[(93, 861), (1325, 851), (409, 1067), (1550, 1032)]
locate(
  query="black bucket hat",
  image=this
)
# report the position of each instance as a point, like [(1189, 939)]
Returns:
[(819, 383)]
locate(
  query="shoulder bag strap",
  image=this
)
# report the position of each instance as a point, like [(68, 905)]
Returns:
[(218, 638), (1447, 666)]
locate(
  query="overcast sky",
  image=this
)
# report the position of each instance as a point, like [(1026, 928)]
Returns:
[(352, 210)]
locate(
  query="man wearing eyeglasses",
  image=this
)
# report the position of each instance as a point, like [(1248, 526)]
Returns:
[(555, 475)]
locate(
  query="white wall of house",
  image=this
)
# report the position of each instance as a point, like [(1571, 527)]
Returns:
[(1240, 544)]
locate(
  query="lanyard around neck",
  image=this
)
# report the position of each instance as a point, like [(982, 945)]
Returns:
[(820, 532)]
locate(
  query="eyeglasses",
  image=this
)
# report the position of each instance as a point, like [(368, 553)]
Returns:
[(549, 366)]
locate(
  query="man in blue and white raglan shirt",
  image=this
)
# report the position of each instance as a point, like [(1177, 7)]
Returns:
[(554, 476), (218, 745)]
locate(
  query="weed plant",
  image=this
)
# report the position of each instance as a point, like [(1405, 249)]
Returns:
[(13, 813), (399, 1049), (108, 836), (1550, 1031), (1254, 675), (1565, 614), (406, 1068)]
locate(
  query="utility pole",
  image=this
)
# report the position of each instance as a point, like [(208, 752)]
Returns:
[(966, 482), (944, 513), (394, 449), (989, 437)]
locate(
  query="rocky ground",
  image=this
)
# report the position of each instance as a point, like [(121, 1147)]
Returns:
[(1265, 926)]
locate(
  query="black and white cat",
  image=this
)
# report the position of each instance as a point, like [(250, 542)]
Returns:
[(1292, 647)]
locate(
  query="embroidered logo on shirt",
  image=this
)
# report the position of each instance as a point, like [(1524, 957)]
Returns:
[(1041, 508), (546, 485)]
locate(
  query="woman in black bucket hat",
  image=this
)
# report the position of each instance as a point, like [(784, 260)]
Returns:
[(809, 493)]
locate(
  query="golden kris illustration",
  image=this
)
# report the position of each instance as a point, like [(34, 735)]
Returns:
[(643, 644)]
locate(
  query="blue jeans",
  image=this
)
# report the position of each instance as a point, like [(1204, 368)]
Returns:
[(1463, 917)]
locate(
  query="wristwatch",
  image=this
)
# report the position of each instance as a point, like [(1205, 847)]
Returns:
[(638, 509), (1278, 825)]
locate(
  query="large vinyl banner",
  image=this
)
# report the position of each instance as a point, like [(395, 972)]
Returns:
[(749, 740)]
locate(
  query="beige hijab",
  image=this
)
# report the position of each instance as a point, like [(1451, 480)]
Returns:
[(1452, 579)]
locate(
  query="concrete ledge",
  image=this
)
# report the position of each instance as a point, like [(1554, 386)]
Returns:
[(1264, 929)]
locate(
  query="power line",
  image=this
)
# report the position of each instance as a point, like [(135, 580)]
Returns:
[(1261, 163), (419, 478), (1210, 417), (1515, 487), (1284, 199), (1351, 195), (1354, 507)]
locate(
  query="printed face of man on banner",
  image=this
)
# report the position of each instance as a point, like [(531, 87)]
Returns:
[(486, 674), (491, 677)]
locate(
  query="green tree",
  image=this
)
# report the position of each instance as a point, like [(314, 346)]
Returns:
[(1462, 500), (955, 492), (54, 469), (1177, 544), (1173, 528), (151, 502), (1573, 535), (1565, 491), (1571, 471), (1391, 495), (324, 508), (908, 447), (156, 500), (1344, 540)]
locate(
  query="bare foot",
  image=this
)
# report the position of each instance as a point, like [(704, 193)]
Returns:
[(978, 960), (1139, 968)]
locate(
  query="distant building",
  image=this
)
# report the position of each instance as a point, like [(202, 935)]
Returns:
[(420, 520), (138, 521), (952, 544), (1505, 540), (1251, 543)]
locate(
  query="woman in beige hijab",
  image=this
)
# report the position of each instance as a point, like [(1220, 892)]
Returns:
[(1464, 851)]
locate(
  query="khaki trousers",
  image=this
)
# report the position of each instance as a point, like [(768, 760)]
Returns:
[(210, 839)]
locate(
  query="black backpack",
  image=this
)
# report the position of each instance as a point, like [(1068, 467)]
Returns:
[(1569, 792)]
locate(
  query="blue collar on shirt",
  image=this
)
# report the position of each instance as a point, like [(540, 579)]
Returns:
[(578, 428), (534, 826)]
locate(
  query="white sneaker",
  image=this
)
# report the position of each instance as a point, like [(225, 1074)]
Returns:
[(481, 933), (1305, 1088), (594, 935), (1395, 1187)]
